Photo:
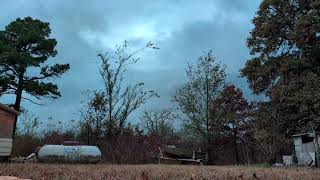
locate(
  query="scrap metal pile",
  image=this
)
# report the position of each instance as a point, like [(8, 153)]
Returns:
[(306, 151)]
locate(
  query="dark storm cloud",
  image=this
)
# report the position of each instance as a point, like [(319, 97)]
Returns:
[(226, 40), (182, 29)]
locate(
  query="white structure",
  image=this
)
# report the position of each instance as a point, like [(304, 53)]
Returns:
[(7, 119), (287, 160), (82, 154), (5, 147), (307, 149)]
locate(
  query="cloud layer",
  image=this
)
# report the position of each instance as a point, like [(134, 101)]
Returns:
[(182, 29)]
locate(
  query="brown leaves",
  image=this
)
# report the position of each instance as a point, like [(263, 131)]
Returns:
[(232, 100)]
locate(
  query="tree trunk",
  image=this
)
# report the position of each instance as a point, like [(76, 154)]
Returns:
[(88, 135), (18, 100), (236, 147), (211, 155)]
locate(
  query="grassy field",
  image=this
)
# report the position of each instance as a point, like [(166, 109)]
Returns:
[(69, 171)]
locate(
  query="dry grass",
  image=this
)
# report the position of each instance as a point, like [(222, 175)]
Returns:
[(69, 171)]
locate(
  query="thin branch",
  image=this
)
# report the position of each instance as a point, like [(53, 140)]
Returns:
[(40, 104)]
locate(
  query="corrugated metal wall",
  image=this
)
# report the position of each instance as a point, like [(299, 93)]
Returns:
[(307, 152), (5, 146)]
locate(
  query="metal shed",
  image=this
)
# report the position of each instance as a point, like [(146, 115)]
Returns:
[(7, 119), (307, 149)]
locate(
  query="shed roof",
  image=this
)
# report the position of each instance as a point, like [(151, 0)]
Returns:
[(313, 134), (8, 109)]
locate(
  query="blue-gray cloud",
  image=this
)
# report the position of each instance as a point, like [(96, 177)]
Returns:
[(183, 29)]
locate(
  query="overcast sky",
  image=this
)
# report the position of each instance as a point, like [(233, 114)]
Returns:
[(183, 29)]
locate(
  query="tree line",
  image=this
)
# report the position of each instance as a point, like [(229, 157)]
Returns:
[(214, 114)]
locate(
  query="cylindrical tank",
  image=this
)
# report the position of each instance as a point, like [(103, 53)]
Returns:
[(71, 154)]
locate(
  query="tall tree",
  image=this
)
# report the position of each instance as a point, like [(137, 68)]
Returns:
[(121, 98), (204, 83), (234, 109), (25, 46), (285, 48)]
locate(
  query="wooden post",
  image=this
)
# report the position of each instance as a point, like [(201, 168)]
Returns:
[(193, 155)]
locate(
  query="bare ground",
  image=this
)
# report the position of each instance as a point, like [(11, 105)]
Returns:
[(72, 171)]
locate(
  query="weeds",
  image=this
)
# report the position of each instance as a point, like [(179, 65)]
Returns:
[(150, 172)]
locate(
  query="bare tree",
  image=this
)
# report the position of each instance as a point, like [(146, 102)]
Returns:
[(121, 97), (158, 123), (29, 123)]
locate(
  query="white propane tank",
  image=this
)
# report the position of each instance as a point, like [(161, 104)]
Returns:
[(72, 154)]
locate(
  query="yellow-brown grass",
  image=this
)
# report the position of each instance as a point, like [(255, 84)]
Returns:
[(69, 171)]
